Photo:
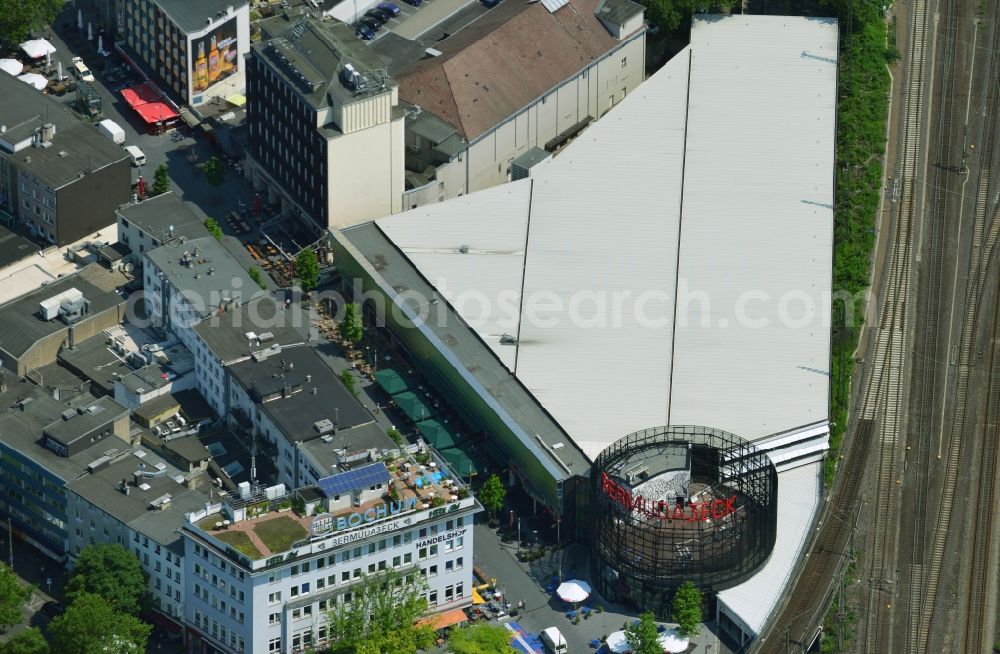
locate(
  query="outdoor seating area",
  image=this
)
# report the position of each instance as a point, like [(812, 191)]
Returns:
[(275, 525)]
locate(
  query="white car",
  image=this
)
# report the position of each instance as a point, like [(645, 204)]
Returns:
[(81, 70)]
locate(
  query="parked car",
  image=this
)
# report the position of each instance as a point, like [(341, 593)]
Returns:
[(414, 3), (378, 15), (364, 32), (81, 70), (371, 23), (392, 8)]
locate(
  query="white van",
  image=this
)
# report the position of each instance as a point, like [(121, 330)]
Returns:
[(138, 158), (81, 70), (554, 641)]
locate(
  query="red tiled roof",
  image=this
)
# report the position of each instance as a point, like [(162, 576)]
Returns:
[(504, 61)]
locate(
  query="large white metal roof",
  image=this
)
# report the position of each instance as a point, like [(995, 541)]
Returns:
[(799, 494), (712, 181)]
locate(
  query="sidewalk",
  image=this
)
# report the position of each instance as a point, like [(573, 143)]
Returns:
[(429, 16)]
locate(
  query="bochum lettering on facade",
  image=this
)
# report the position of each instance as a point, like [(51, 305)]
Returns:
[(376, 513)]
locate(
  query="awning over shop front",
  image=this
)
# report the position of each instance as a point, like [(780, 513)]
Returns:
[(139, 95), (445, 619), (390, 381), (460, 462), (412, 406), (155, 112), (477, 598), (436, 434)]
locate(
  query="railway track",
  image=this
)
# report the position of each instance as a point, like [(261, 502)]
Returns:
[(956, 449), (884, 395)]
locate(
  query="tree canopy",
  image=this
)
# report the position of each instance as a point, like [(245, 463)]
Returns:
[(91, 626), (686, 609), (19, 17), (670, 14), (492, 495), (481, 638), (307, 269), (111, 572), (161, 180), (13, 595), (29, 641), (214, 172), (381, 615), (212, 225), (350, 327), (642, 635)]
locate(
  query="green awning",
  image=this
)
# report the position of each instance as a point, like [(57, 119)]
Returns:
[(390, 381), (460, 462), (436, 434), (412, 406)]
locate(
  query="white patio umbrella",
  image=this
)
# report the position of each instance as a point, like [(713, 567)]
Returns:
[(36, 80), (79, 19), (90, 31), (59, 69), (617, 642), (12, 66), (100, 44), (573, 591), (37, 48), (673, 642)]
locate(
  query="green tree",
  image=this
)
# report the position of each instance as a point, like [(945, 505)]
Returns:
[(111, 572), (212, 225), (492, 495), (669, 14), (161, 180), (381, 616), (214, 172), (257, 277), (350, 327), (481, 638), (13, 595), (686, 609), (396, 437), (19, 17), (642, 635), (91, 626), (29, 641), (307, 268), (349, 382)]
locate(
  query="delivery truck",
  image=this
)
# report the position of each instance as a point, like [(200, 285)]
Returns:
[(112, 130)]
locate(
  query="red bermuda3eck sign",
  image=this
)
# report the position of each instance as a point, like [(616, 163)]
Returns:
[(665, 510)]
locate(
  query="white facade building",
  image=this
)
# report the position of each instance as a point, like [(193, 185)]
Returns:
[(276, 602)]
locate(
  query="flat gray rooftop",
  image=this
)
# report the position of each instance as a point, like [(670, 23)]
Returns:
[(226, 334), (158, 214), (363, 437), (303, 371)]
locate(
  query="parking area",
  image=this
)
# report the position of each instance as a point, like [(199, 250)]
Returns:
[(421, 23)]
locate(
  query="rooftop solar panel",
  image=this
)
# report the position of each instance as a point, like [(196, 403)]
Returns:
[(363, 477)]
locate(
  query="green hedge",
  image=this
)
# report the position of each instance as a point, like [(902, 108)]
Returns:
[(863, 91)]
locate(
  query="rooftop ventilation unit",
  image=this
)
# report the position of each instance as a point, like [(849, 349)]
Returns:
[(323, 426)]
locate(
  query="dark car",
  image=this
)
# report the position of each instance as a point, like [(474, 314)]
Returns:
[(364, 32), (371, 24), (390, 7), (414, 3), (377, 14)]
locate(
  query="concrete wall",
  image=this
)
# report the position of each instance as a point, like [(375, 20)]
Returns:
[(89, 203), (46, 349), (365, 178)]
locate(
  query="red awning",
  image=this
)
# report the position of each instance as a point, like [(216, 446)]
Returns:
[(445, 619), (140, 95), (155, 112)]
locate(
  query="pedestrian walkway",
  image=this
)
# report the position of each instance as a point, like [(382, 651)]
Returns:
[(523, 641)]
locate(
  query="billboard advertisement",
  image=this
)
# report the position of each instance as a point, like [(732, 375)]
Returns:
[(214, 56)]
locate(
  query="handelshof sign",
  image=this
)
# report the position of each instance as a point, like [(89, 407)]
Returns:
[(324, 523), (443, 537), (666, 510)]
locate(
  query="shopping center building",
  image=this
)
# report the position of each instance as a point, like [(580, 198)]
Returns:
[(671, 266)]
